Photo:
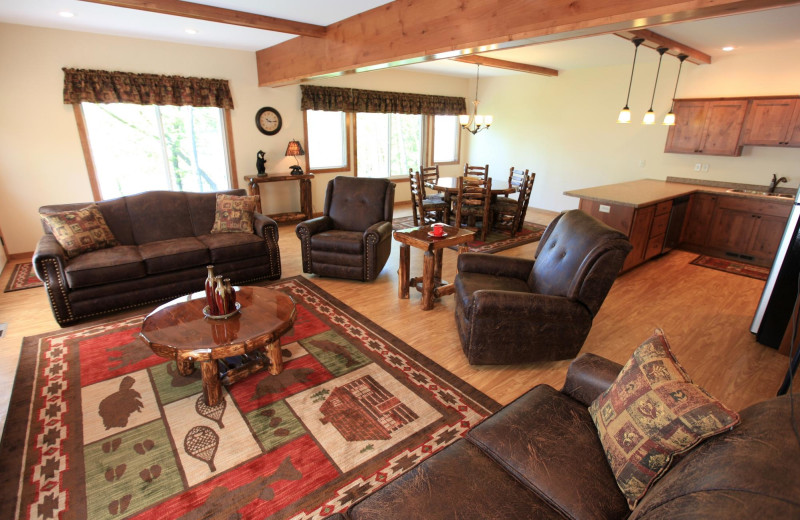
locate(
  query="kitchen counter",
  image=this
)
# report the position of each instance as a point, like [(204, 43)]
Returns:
[(645, 192)]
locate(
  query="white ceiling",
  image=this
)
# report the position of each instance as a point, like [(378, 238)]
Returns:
[(763, 30)]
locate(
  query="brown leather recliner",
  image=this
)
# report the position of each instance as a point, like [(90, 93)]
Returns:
[(515, 310), (353, 237)]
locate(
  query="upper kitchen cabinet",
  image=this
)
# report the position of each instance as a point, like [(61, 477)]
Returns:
[(773, 122), (707, 126)]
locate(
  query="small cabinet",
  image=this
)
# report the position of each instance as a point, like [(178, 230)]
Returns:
[(773, 122), (698, 219), (709, 127)]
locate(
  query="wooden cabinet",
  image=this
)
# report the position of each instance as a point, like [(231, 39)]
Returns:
[(698, 219), (709, 127), (773, 122)]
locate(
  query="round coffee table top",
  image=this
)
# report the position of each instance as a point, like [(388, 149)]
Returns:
[(265, 315)]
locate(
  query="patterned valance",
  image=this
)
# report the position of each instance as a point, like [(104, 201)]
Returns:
[(355, 100), (100, 86)]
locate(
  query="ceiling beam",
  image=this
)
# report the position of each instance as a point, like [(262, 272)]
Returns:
[(409, 31), (655, 40), (220, 15), (508, 65)]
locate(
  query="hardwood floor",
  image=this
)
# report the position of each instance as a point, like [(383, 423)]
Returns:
[(705, 313)]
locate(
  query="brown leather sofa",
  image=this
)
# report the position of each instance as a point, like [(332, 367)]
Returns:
[(353, 237), (540, 457), (165, 246), (516, 310)]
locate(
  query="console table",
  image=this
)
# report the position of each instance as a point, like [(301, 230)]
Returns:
[(306, 210)]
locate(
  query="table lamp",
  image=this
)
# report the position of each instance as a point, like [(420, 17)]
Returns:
[(293, 150)]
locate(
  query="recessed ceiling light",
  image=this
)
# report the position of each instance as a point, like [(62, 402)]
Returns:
[(190, 31), (66, 14), (728, 48)]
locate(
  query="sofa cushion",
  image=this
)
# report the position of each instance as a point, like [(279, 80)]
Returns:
[(467, 283), (651, 413), (234, 214), (159, 215), (105, 266), (547, 441), (348, 242), (80, 231), (202, 208), (458, 482), (224, 247), (173, 254)]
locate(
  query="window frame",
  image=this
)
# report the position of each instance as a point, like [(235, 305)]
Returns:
[(432, 139), (91, 169), (348, 164)]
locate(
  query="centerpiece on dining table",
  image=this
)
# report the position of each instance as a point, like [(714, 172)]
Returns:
[(220, 297)]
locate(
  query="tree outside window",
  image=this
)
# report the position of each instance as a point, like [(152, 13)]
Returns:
[(388, 144)]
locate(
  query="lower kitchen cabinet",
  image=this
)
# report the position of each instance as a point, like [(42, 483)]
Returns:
[(698, 219)]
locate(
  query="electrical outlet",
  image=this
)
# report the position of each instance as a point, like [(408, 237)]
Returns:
[(697, 167), (604, 208), (642, 163), (705, 167)]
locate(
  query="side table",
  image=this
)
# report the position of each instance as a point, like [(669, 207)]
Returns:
[(430, 284), (306, 211)]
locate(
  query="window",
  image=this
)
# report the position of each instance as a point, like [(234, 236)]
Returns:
[(137, 148), (327, 140), (446, 135), (388, 144)]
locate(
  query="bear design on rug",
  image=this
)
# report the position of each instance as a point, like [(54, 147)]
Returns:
[(116, 408)]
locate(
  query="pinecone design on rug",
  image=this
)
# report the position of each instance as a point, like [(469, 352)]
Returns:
[(214, 413), (201, 443), (116, 408)]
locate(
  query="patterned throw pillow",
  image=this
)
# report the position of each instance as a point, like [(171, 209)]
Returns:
[(80, 231), (234, 214), (651, 413)]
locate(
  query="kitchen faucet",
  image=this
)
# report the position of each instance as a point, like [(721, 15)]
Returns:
[(775, 182)]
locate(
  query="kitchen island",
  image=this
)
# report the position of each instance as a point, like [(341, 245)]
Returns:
[(728, 220)]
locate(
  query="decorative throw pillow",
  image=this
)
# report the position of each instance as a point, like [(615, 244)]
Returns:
[(234, 214), (651, 413), (80, 231)]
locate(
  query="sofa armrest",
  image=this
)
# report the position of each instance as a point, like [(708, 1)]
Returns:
[(48, 248), (313, 226), (484, 263), (379, 231), (588, 376), (264, 226), (49, 262), (524, 306)]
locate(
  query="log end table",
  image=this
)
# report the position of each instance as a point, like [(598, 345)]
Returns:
[(178, 330), (430, 284)]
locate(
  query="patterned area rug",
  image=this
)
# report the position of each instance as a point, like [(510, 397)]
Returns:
[(495, 240), (100, 427), (729, 266), (23, 277)]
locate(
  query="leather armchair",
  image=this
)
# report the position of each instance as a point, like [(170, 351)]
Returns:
[(515, 310), (353, 237)]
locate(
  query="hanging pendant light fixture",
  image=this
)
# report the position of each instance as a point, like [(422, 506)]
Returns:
[(625, 113), (650, 116), (669, 119), (475, 123)]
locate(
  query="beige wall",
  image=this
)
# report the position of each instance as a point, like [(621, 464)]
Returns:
[(565, 128), (41, 161)]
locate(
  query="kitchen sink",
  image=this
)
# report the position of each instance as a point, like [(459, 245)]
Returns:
[(764, 193)]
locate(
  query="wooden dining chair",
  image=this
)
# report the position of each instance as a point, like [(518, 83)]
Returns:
[(425, 210), (476, 171), (474, 200), (508, 213), (429, 175)]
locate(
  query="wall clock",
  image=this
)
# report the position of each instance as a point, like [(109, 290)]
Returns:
[(268, 121)]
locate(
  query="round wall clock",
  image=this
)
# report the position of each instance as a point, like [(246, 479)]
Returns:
[(268, 121)]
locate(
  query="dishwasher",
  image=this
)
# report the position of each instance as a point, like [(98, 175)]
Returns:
[(675, 225)]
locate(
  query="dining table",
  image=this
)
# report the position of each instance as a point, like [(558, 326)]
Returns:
[(448, 187)]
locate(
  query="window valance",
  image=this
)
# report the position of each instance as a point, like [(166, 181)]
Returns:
[(100, 86), (356, 100)]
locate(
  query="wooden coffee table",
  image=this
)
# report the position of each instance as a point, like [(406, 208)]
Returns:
[(178, 330), (430, 285)]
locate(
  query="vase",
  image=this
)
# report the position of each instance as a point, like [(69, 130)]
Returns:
[(210, 286), (230, 294), (219, 296)]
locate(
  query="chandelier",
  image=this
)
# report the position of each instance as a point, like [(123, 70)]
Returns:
[(475, 123)]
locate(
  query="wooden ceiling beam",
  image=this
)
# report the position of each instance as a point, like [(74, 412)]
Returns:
[(655, 40), (409, 31), (220, 15), (508, 65)]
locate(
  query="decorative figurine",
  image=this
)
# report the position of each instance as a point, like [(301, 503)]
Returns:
[(261, 163)]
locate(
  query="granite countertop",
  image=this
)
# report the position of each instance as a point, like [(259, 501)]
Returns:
[(645, 192)]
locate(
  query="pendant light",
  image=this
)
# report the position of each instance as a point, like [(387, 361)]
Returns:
[(625, 113), (475, 123), (650, 116), (669, 119)]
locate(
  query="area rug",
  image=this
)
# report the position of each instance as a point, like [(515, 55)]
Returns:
[(495, 240), (729, 266), (100, 427), (22, 277)]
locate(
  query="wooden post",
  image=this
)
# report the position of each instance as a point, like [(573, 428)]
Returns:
[(437, 267), (403, 271), (427, 280), (212, 388), (275, 358)]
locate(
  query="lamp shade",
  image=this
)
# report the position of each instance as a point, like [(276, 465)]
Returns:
[(669, 119), (294, 149), (624, 115), (649, 118)]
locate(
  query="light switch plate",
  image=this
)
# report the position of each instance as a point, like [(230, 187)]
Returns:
[(604, 208)]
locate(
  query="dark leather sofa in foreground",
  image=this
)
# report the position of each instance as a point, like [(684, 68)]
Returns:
[(164, 247), (540, 457)]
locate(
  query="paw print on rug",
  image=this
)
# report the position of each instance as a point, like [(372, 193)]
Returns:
[(274, 422), (117, 507), (143, 447), (113, 474), (151, 473)]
